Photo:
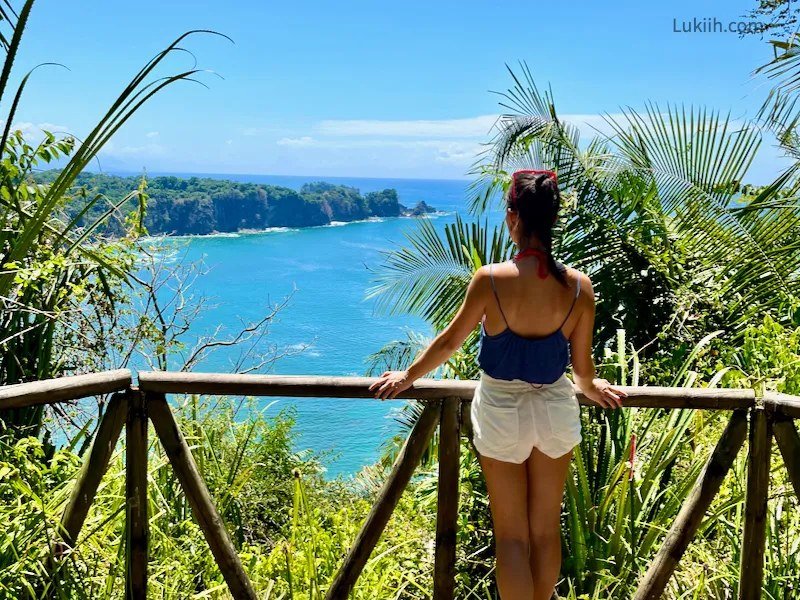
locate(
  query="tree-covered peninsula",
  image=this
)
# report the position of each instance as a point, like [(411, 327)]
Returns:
[(178, 206)]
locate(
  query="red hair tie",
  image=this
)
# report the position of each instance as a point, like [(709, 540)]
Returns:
[(534, 172)]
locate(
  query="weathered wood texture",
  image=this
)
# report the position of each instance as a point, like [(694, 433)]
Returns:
[(782, 404), (751, 565), (94, 467), (444, 571), (789, 444), (387, 500), (694, 509), (423, 389), (136, 493), (210, 521), (466, 420), (294, 386), (50, 391)]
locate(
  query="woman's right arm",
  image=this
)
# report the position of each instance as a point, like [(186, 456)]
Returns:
[(597, 390)]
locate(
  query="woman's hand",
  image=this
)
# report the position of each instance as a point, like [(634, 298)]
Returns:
[(390, 384), (602, 394)]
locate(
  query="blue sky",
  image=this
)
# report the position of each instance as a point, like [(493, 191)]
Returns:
[(368, 88)]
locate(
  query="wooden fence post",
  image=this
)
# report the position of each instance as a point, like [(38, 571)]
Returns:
[(447, 507), (136, 492), (694, 509), (203, 509), (94, 467), (789, 445), (385, 503), (751, 564)]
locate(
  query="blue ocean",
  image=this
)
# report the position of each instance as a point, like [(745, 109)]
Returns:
[(329, 323)]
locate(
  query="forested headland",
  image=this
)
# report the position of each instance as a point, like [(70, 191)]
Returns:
[(194, 205)]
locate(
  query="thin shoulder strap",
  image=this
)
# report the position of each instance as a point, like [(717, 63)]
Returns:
[(574, 300), (496, 297)]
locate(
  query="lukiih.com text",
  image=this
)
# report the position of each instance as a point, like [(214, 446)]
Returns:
[(714, 25)]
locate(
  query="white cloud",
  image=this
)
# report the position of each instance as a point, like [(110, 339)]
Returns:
[(303, 141), (148, 149), (229, 142), (152, 134), (53, 128), (454, 152), (479, 127), (448, 147), (125, 151), (445, 147), (250, 131), (35, 133), (475, 127)]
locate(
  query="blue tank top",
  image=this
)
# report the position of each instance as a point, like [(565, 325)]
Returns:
[(535, 360)]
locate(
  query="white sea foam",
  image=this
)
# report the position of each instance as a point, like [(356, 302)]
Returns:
[(364, 246), (204, 236), (367, 220), (306, 349), (267, 230), (433, 215)]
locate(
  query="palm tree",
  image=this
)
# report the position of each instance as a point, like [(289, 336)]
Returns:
[(679, 251), (655, 214)]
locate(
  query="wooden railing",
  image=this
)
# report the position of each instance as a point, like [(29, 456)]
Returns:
[(444, 406)]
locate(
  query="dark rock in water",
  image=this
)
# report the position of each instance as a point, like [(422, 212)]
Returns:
[(420, 210)]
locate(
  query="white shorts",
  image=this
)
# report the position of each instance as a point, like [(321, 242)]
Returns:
[(511, 418)]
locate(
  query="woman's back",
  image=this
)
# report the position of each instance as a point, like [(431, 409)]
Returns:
[(524, 333), (529, 305)]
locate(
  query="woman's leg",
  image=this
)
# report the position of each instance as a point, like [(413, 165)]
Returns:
[(508, 497), (546, 479)]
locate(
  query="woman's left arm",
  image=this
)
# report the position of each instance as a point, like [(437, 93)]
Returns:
[(444, 346)]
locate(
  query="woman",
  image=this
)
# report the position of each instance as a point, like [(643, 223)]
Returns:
[(525, 416)]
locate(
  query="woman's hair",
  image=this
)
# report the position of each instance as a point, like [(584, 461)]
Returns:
[(535, 197)]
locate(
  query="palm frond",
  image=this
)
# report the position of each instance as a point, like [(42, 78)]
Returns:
[(429, 278), (396, 355), (528, 136), (780, 109)]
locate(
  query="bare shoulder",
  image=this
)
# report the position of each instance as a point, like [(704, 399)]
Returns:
[(499, 270), (480, 279), (482, 273), (576, 278)]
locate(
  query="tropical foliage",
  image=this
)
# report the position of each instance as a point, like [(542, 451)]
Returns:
[(57, 288), (653, 211), (696, 274)]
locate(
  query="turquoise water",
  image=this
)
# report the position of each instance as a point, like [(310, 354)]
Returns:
[(327, 269)]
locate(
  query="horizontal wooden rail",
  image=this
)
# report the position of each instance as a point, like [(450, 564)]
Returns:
[(782, 404), (63, 389), (423, 389), (297, 386)]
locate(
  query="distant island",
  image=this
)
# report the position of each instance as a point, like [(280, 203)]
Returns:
[(199, 206)]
